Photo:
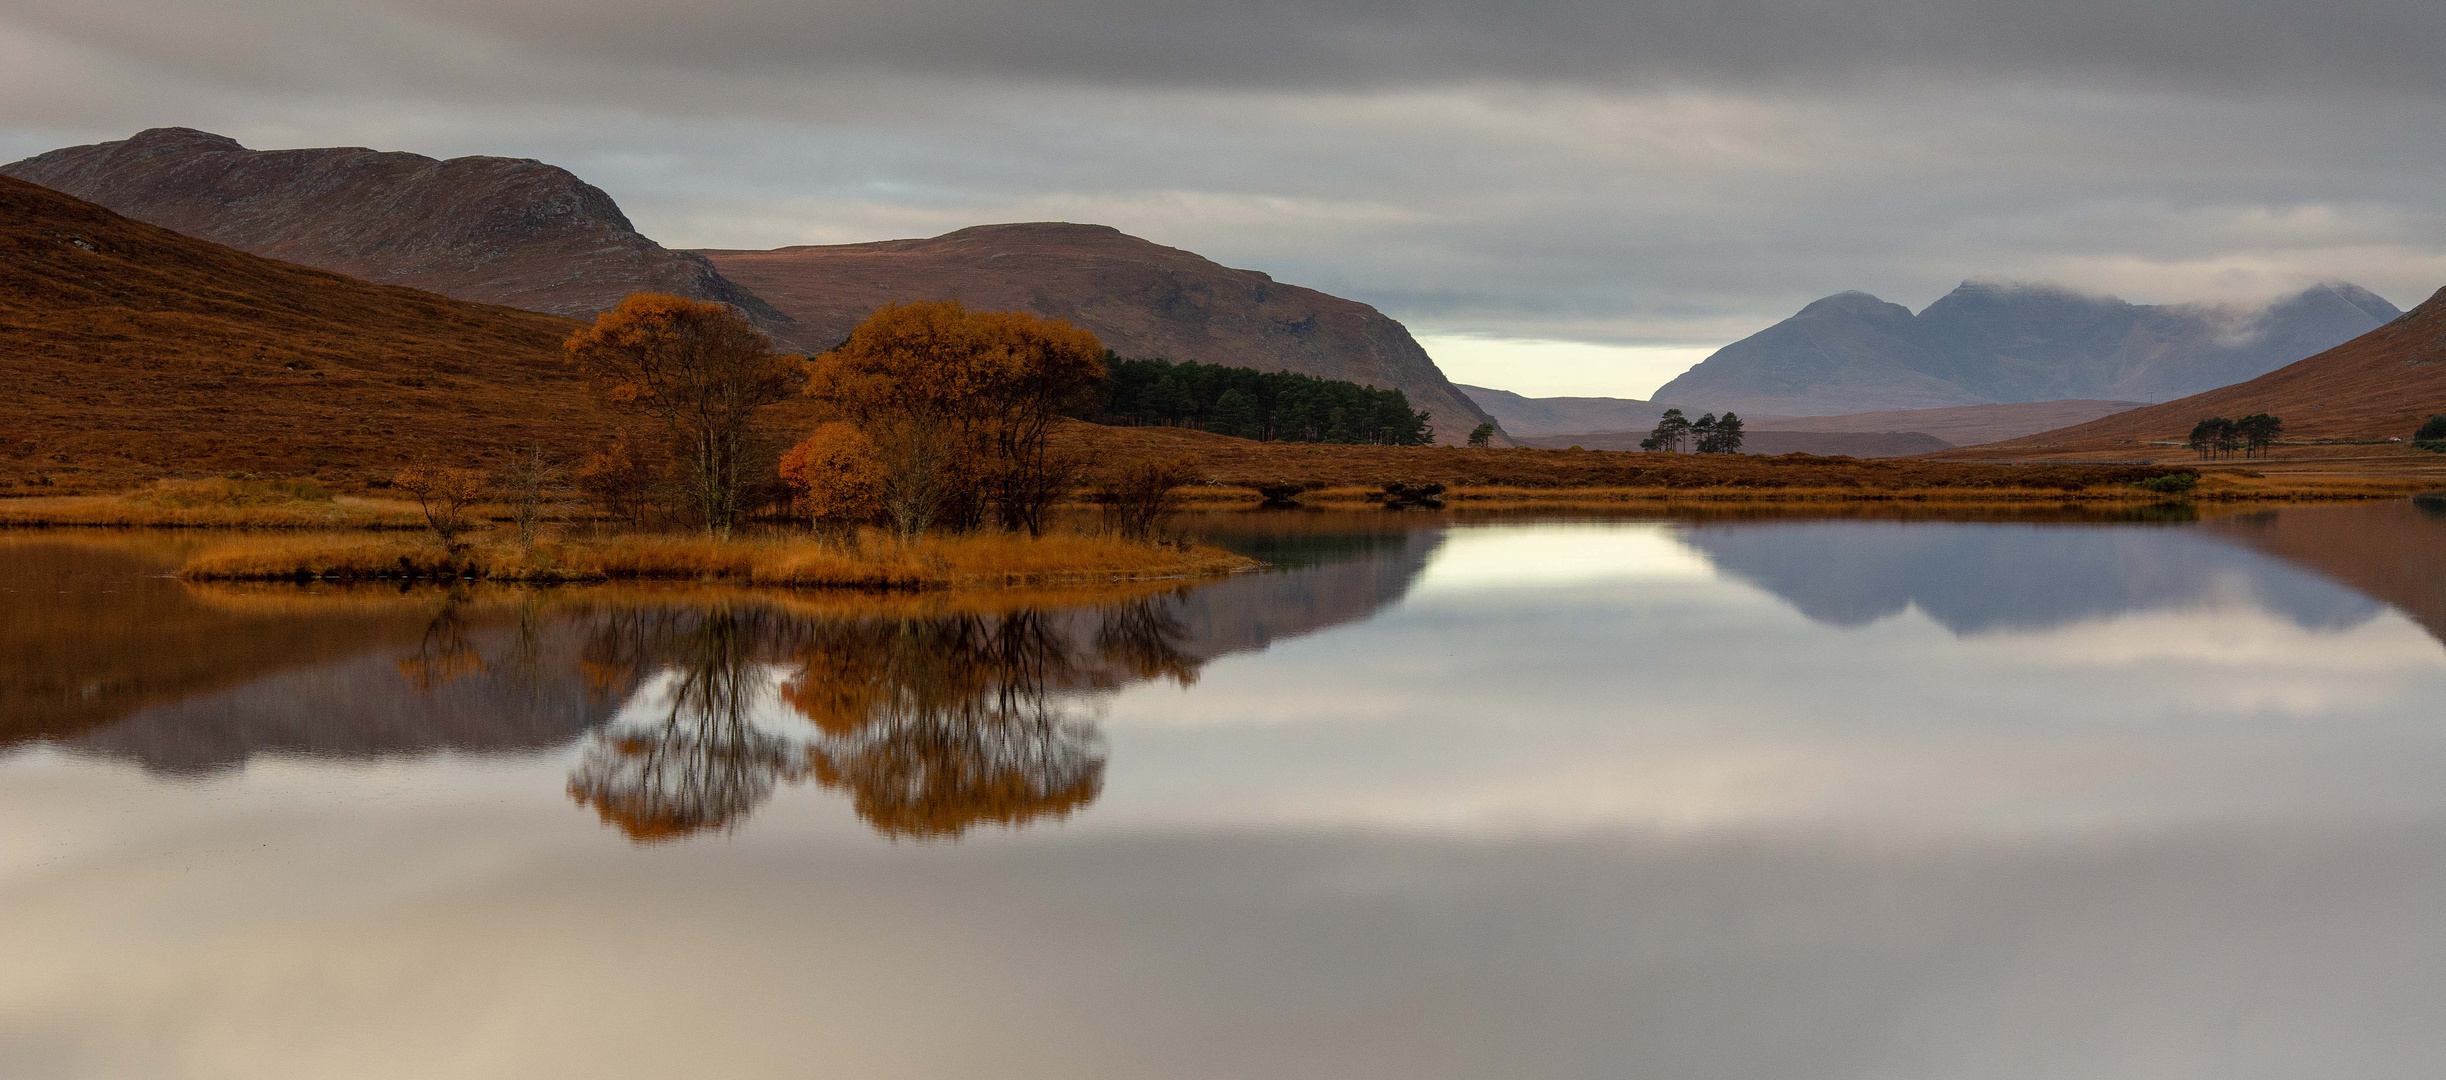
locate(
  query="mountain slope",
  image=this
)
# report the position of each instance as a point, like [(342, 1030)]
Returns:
[(2376, 386), (494, 230), (132, 352), (1985, 343), (1142, 299)]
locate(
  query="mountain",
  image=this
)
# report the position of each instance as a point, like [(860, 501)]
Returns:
[(131, 352), (1985, 343), (1527, 416), (493, 230), (2377, 386), (1142, 299)]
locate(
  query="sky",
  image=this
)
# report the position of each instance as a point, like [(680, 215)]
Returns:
[(1556, 196)]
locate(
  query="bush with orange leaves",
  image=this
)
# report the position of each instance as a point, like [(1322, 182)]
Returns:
[(960, 407), (702, 372), (837, 477), (445, 495)]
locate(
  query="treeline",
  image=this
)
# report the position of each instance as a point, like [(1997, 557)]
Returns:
[(2220, 437), (1709, 434), (1264, 405)]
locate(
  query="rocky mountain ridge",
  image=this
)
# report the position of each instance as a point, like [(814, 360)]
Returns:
[(1988, 343), (494, 230), (1141, 298)]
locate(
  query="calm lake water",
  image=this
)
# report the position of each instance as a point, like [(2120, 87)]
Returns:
[(1738, 798)]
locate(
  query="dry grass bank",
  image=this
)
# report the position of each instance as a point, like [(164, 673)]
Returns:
[(869, 562), (214, 504), (1348, 474)]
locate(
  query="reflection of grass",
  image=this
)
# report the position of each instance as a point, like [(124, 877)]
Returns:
[(217, 503), (867, 562)]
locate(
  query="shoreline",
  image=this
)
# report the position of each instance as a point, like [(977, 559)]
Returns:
[(968, 562)]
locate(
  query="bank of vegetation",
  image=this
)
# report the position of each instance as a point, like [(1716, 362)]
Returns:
[(1240, 471), (873, 560), (933, 466), (1261, 405)]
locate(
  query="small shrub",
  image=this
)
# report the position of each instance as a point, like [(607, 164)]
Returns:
[(1399, 495), (837, 478), (445, 495), (2171, 483), (1137, 497)]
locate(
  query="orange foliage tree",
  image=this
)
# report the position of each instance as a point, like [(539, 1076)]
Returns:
[(837, 476), (960, 407), (703, 372)]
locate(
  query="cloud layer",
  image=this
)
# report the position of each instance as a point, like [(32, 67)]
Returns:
[(1654, 175)]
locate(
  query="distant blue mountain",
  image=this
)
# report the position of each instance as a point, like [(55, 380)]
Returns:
[(1986, 343)]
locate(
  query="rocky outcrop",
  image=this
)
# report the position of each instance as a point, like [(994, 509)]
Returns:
[(1142, 299), (1986, 343), (506, 231)]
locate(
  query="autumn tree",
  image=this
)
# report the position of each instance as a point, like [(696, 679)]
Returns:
[(702, 372), (837, 477), (960, 407), (1039, 370)]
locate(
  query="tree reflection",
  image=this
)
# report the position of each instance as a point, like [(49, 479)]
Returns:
[(693, 758), (446, 653), (931, 725)]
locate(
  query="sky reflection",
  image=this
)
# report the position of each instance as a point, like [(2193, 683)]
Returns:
[(1552, 800)]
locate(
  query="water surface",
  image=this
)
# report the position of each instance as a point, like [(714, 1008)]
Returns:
[(1440, 798)]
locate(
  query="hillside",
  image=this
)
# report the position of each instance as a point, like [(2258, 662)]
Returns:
[(493, 230), (2377, 386), (1960, 425), (1986, 343), (131, 352), (1859, 444), (1142, 299), (1523, 416)]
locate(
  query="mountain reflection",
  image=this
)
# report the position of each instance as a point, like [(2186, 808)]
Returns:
[(1987, 578), (931, 725)]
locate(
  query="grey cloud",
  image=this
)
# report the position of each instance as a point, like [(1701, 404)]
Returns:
[(1341, 44), (1635, 173), (1370, 43)]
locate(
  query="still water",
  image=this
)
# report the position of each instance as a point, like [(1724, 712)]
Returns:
[(1498, 798)]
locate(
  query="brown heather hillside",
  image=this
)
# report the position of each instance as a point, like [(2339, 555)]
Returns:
[(493, 230), (1860, 444), (2379, 385), (1142, 299), (1960, 425), (129, 352), (1243, 463)]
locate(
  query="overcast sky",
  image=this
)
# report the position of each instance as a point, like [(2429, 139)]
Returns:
[(1558, 196)]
